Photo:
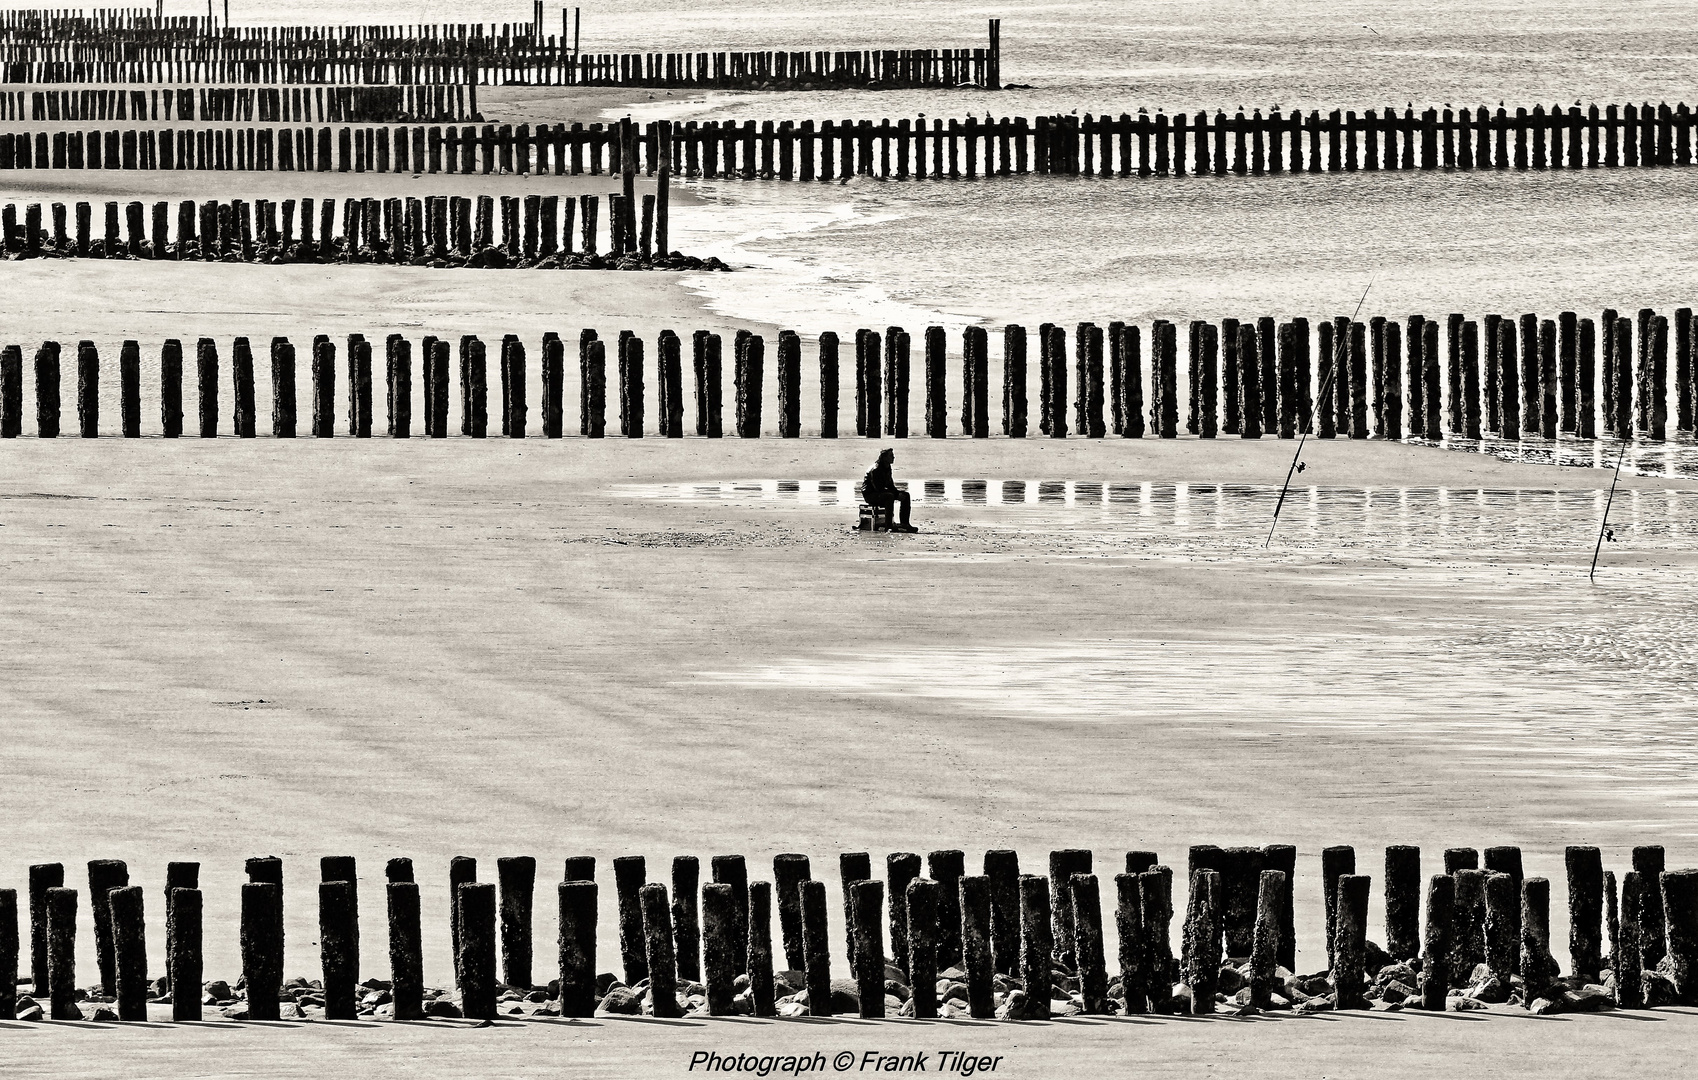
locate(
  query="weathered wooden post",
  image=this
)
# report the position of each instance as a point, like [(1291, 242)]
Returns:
[(1086, 903), (577, 947), (1335, 863), (1349, 973), (1036, 944), (900, 868), (947, 868), (262, 947), (42, 877), (921, 900), (869, 946), (1436, 945), (788, 872), (1503, 926), (1538, 968), (762, 992), (1506, 860), (183, 916), (1585, 869), (976, 956), (47, 390), (406, 964), (1468, 922), (1627, 957), (339, 937), (129, 947), (1134, 946), (476, 901), (59, 907), (1265, 946), (816, 939), (629, 875), (1014, 381), (1202, 942), (1063, 864), (1403, 901), (724, 950), (517, 877), (658, 951), (206, 371), (1680, 913)]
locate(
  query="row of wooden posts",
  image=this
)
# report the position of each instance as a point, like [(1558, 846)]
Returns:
[(266, 104), (384, 230), (1626, 136), (563, 149), (1026, 926), (1529, 377), (148, 49)]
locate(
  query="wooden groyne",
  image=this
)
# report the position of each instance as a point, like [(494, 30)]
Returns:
[(444, 231), (1510, 378), (1613, 136), (119, 47), (239, 104), (1001, 944)]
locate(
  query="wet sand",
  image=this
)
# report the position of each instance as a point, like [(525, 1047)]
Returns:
[(223, 649)]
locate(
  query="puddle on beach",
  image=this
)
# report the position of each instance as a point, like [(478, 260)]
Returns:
[(1520, 519)]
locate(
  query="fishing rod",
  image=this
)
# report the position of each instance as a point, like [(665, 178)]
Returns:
[(1592, 575), (1326, 387)]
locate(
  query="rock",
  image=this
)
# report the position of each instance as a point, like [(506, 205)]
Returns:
[(1064, 1008), (32, 1011), (1002, 984), (218, 990), (1659, 989), (1378, 959), (792, 1008), (235, 1012), (537, 996), (377, 997), (103, 1014), (378, 984), (894, 989), (1316, 1004), (1231, 979), (1395, 993), (510, 995), (605, 982), (442, 1007), (1486, 988), (620, 1001), (953, 973), (288, 1010), (548, 1009), (1016, 1006), (1463, 1004), (517, 1010), (785, 983), (892, 1005), (954, 991)]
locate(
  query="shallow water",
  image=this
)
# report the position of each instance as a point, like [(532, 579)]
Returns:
[(1474, 525)]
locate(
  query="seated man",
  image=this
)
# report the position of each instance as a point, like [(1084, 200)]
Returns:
[(879, 489)]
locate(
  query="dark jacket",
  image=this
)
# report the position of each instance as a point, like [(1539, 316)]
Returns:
[(879, 487)]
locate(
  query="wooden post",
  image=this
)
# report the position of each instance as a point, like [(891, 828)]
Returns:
[(816, 939), (1503, 938), (1002, 870), (1036, 944), (1436, 942), (183, 916), (1538, 968), (577, 942), (1585, 869), (1014, 381), (104, 875), (732, 870), (1349, 972), (517, 876), (921, 901), (406, 965), (1086, 906), (686, 917), (900, 868), (788, 872), (476, 902), (724, 949), (1468, 934), (976, 956), (658, 951), (629, 875), (1627, 956), (129, 946), (1335, 863), (339, 935), (1202, 940)]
